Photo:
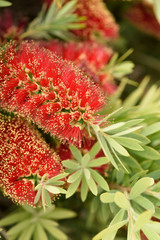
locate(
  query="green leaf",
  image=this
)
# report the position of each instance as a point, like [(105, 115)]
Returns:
[(118, 148), (155, 127), (144, 140), (155, 226), (106, 150), (100, 180), (48, 199), (76, 153), (98, 162), (148, 153), (140, 186), (134, 97), (125, 132), (71, 164), (55, 232), (43, 199), (19, 227), (72, 178), (129, 143), (54, 179), (121, 201), (39, 233), (94, 150), (157, 9), (92, 185), (142, 219), (155, 174), (38, 194), (150, 234), (145, 203), (87, 173), (73, 187), (113, 127), (108, 117), (13, 218), (105, 232), (61, 213), (27, 232), (107, 197), (84, 189), (4, 3)]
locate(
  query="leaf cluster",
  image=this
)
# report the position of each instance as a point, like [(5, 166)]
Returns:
[(133, 208), (55, 21), (82, 176), (30, 223)]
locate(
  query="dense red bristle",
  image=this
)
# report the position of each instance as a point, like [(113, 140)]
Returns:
[(46, 90), (23, 154)]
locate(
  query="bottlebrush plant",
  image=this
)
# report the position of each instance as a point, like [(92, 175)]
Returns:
[(79, 135)]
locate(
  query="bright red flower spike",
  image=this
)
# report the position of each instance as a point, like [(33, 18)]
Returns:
[(24, 159), (89, 56), (99, 20), (143, 17), (51, 92)]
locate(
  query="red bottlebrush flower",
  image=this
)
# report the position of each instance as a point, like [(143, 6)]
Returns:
[(8, 29), (143, 17), (53, 93), (24, 159), (99, 20), (89, 56)]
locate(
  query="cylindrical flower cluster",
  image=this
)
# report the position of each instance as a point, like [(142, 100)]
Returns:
[(51, 92), (24, 159)]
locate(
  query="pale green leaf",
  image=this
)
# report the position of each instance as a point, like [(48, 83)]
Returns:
[(106, 150), (142, 219), (73, 177), (100, 180), (55, 232), (129, 143), (110, 229), (73, 187), (54, 179), (87, 173), (121, 201), (92, 185), (107, 197), (13, 218), (19, 227), (155, 127), (140, 186), (71, 164), (4, 3), (145, 203), (39, 233), (150, 234), (38, 194), (60, 213), (148, 153), (125, 132), (118, 148), (94, 150), (98, 162), (27, 232), (157, 9), (84, 189), (76, 153)]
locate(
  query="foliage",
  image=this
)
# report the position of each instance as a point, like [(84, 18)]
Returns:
[(29, 222), (123, 203), (55, 22)]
